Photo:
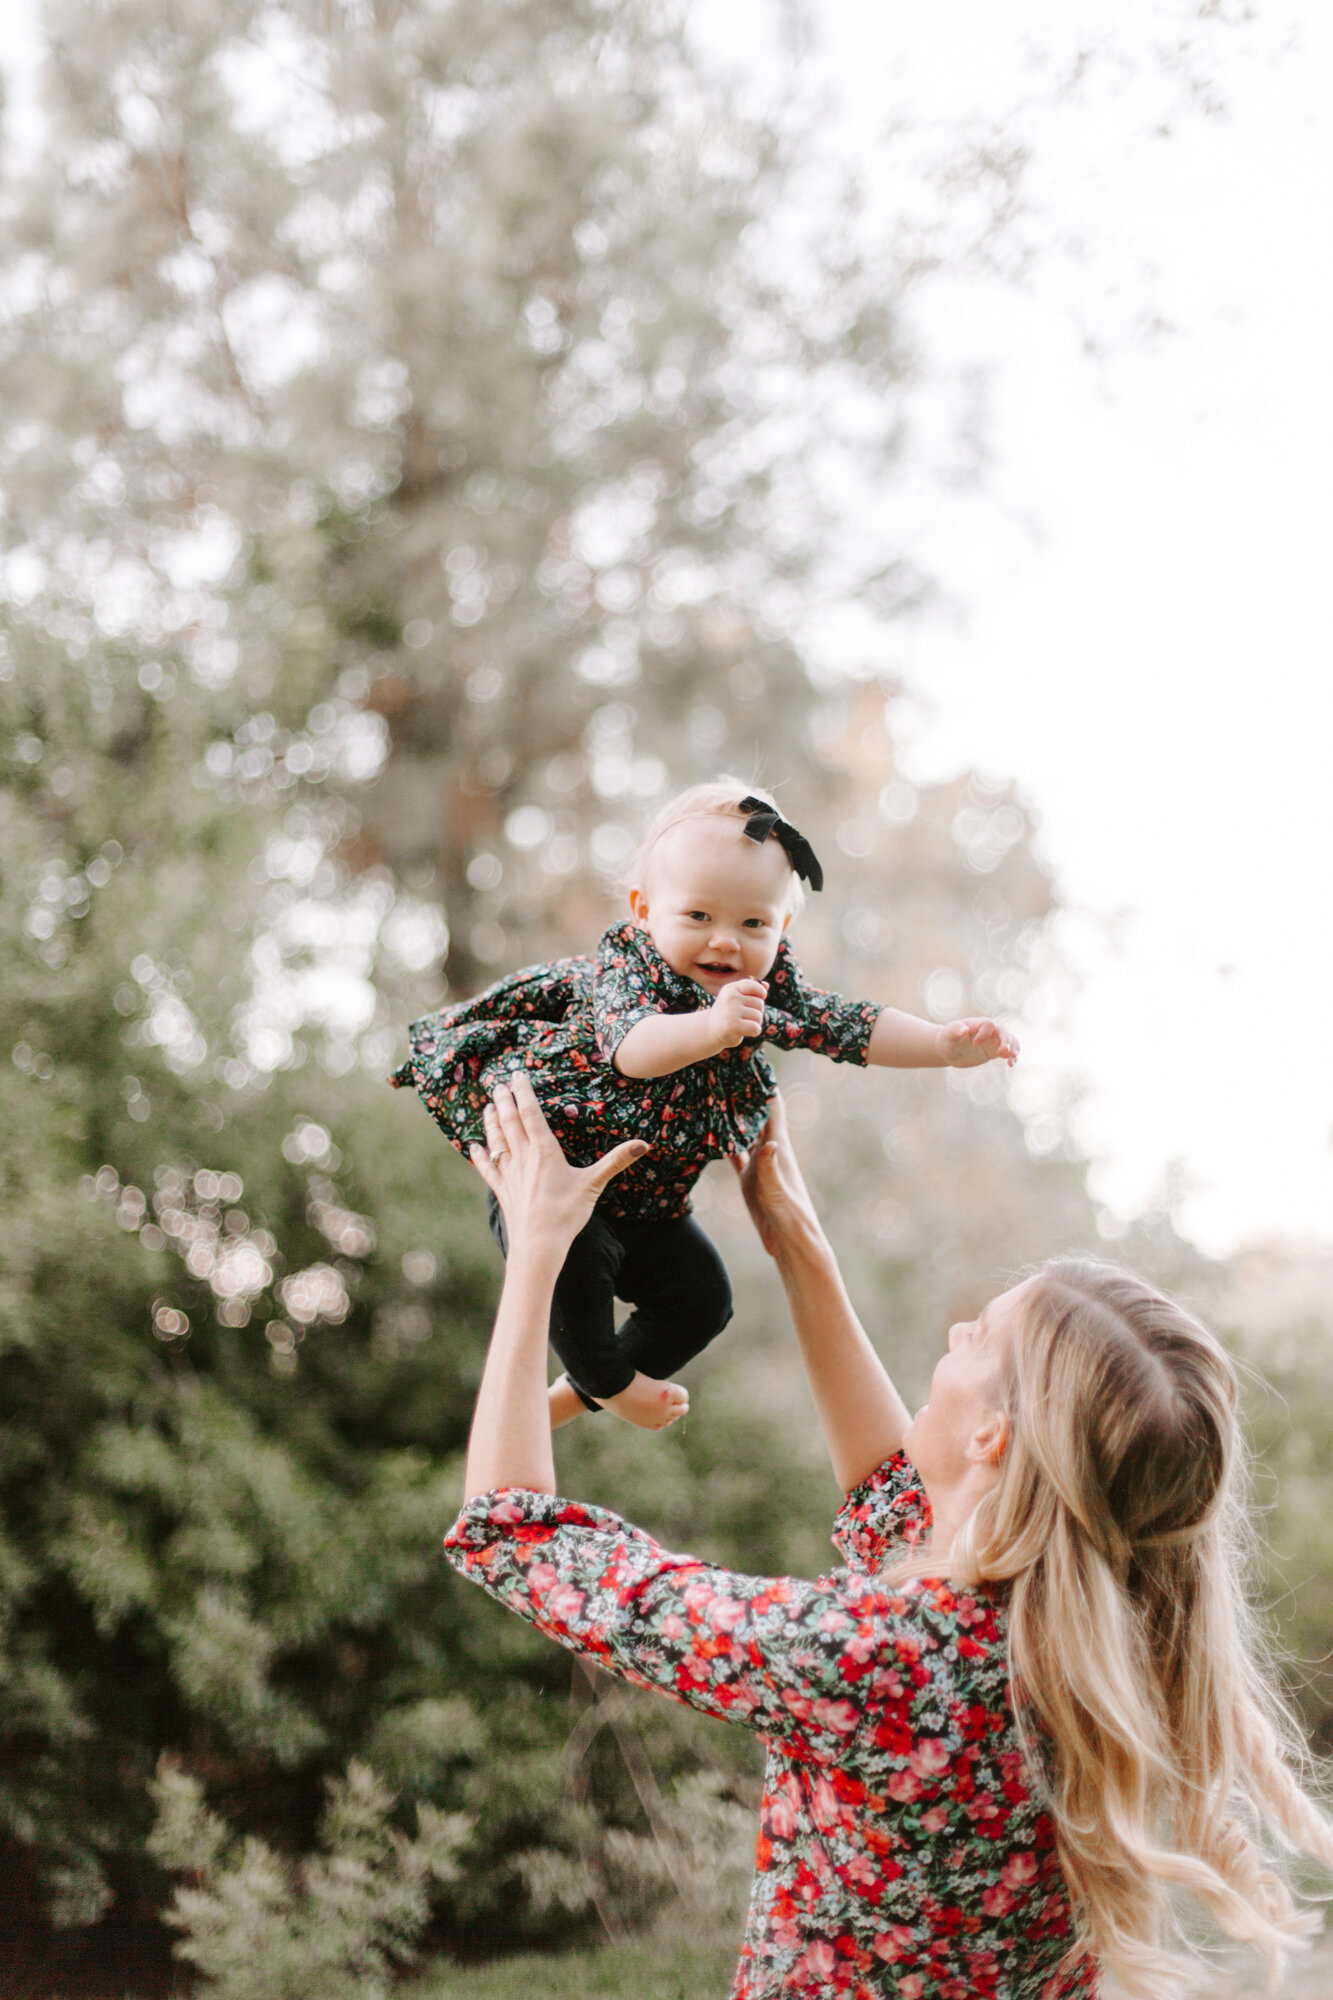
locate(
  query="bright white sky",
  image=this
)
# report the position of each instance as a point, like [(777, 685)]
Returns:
[(1140, 583)]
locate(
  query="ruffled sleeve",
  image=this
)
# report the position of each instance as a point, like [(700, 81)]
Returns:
[(883, 1516), (801, 1016), (632, 980), (781, 1655)]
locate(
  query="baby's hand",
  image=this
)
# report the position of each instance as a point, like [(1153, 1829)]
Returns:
[(963, 1044), (738, 1012)]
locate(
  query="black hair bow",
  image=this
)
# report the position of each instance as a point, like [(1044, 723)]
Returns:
[(765, 819)]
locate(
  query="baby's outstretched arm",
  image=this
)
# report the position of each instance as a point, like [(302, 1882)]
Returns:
[(904, 1041), (662, 1043)]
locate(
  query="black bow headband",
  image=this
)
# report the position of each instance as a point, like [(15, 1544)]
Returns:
[(765, 819)]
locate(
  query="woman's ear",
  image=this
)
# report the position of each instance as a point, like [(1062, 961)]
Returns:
[(988, 1442)]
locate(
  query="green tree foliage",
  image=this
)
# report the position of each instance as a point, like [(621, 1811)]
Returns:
[(278, 270), (417, 419), (483, 336), (413, 441), (1275, 1304), (224, 1458), (255, 1929)]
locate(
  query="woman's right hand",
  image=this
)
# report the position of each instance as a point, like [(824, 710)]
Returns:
[(545, 1200), (774, 1187)]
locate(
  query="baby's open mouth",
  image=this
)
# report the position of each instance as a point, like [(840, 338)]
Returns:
[(718, 971)]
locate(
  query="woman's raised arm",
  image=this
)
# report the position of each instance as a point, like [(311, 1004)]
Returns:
[(861, 1413), (545, 1202)]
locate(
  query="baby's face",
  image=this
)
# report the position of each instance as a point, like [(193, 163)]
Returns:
[(715, 903)]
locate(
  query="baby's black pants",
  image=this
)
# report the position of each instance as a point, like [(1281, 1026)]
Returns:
[(668, 1272)]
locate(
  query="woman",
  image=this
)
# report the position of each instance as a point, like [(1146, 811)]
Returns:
[(1026, 1709)]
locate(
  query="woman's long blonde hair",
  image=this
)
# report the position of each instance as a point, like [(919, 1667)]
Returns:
[(1120, 1523)]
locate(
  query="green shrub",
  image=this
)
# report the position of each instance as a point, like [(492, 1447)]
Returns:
[(256, 1927)]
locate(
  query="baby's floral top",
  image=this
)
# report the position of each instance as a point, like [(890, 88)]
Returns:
[(902, 1851), (562, 1023)]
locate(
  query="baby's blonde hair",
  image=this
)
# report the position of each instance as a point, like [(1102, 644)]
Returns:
[(719, 799)]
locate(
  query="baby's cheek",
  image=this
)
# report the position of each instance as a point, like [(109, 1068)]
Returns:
[(673, 950)]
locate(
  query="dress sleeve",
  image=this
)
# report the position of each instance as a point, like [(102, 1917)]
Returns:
[(886, 1514), (778, 1654), (800, 1016), (631, 980)]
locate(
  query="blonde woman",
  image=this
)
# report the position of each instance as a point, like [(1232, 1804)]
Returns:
[(1027, 1708)]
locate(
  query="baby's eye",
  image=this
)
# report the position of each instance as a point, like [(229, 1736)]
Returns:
[(697, 916), (756, 923)]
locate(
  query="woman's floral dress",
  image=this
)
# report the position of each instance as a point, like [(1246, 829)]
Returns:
[(561, 1024), (902, 1850)]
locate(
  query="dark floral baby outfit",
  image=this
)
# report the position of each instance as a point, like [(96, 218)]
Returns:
[(903, 1850), (560, 1025)]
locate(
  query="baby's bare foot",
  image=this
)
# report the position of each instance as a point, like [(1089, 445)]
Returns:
[(650, 1404), (564, 1402)]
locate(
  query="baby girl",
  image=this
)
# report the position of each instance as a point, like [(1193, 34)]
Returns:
[(659, 1038)]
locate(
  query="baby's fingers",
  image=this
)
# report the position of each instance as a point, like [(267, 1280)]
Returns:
[(992, 1041)]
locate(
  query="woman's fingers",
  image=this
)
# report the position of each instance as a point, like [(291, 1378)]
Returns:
[(495, 1143), (615, 1162), (484, 1167), (767, 1181), (530, 1114), (508, 1123), (776, 1124)]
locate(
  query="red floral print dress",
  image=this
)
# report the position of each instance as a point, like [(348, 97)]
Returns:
[(561, 1024), (903, 1850)]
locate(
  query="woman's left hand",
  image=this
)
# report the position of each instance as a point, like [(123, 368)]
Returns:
[(774, 1186), (545, 1201)]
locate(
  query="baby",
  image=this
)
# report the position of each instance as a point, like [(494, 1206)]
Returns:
[(659, 1038)]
